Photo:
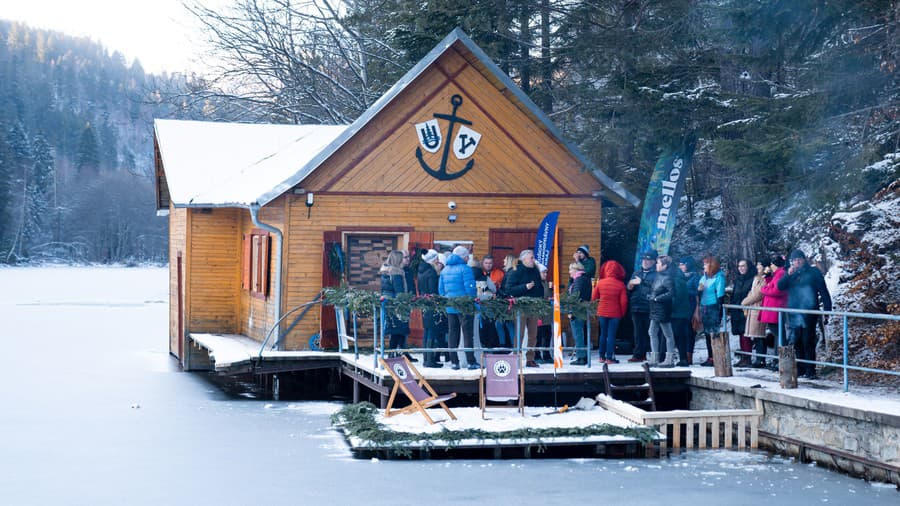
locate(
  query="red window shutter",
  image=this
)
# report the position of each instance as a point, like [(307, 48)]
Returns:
[(245, 266), (264, 264)]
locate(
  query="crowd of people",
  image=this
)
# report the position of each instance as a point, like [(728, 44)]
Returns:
[(672, 305)]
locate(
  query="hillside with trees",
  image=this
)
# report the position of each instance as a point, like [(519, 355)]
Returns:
[(76, 151)]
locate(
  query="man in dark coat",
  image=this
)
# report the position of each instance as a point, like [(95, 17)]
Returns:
[(583, 256), (428, 285), (486, 288), (805, 287), (525, 281), (639, 301), (681, 315), (662, 294)]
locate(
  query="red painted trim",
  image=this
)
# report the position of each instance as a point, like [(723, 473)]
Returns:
[(499, 125), (259, 231), (354, 162), (357, 228), (492, 195)]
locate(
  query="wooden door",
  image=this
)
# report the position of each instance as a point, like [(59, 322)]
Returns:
[(328, 325), (179, 266), (506, 241)]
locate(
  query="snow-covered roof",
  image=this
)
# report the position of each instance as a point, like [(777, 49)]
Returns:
[(211, 164), (261, 173)]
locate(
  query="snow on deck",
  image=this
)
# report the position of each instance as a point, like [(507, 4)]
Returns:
[(229, 350), (502, 420)]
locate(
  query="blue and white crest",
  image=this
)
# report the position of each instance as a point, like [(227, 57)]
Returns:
[(465, 143), (429, 135)]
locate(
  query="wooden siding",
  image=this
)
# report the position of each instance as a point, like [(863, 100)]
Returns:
[(477, 215), (257, 315), (515, 155), (213, 272), (177, 227)]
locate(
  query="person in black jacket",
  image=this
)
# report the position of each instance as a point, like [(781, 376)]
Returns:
[(431, 320), (662, 293), (639, 302), (805, 286), (580, 285), (743, 282), (525, 281)]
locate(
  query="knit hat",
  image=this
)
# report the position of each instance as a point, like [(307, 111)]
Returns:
[(430, 256), (797, 254), (584, 248), (649, 255), (541, 267), (461, 252), (524, 253)]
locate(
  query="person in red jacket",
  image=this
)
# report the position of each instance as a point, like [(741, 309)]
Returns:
[(773, 297), (610, 291)]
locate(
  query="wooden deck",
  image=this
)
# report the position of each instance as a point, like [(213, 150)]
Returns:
[(231, 354)]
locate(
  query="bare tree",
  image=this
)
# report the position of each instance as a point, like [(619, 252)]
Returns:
[(314, 61)]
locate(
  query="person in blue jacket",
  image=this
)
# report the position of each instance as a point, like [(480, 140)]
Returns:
[(457, 280), (712, 294)]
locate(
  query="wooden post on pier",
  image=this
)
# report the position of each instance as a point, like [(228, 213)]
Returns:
[(787, 366), (721, 354)]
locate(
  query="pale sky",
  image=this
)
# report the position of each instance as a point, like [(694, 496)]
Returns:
[(159, 33)]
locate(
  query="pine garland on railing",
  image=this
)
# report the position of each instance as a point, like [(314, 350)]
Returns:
[(362, 302)]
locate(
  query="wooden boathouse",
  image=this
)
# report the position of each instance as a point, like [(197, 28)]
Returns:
[(257, 212)]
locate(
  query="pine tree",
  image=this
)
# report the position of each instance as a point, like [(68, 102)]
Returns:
[(88, 159), (40, 196)]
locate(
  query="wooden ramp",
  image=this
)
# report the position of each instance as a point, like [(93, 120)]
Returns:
[(717, 428)]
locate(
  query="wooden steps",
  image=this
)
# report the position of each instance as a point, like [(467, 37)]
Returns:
[(639, 395)]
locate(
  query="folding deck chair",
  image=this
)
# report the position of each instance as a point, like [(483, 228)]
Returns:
[(410, 382), (502, 379)]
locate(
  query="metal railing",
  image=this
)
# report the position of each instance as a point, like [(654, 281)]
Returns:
[(844, 315), (379, 350)]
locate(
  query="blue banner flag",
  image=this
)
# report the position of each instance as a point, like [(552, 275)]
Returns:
[(661, 202), (543, 245)]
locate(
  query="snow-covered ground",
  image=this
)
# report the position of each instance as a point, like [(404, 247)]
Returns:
[(95, 411)]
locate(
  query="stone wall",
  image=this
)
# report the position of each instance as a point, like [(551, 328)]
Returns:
[(862, 443)]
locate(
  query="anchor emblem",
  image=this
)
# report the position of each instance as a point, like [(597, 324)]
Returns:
[(464, 145)]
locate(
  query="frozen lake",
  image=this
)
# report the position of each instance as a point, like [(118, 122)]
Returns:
[(95, 411)]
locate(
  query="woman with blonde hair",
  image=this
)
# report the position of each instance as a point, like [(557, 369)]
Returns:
[(506, 330), (393, 283)]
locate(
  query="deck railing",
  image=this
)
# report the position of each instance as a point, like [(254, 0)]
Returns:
[(724, 428), (843, 315), (379, 350)]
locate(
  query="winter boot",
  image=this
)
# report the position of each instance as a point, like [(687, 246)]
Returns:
[(759, 348), (669, 361)]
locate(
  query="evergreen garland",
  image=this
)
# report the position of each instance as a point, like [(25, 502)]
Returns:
[(503, 309), (358, 420)]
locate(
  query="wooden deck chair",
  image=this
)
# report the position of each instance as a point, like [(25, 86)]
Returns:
[(340, 316), (408, 380), (502, 379)]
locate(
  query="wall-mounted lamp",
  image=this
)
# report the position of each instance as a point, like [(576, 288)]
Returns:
[(310, 199), (451, 218)]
